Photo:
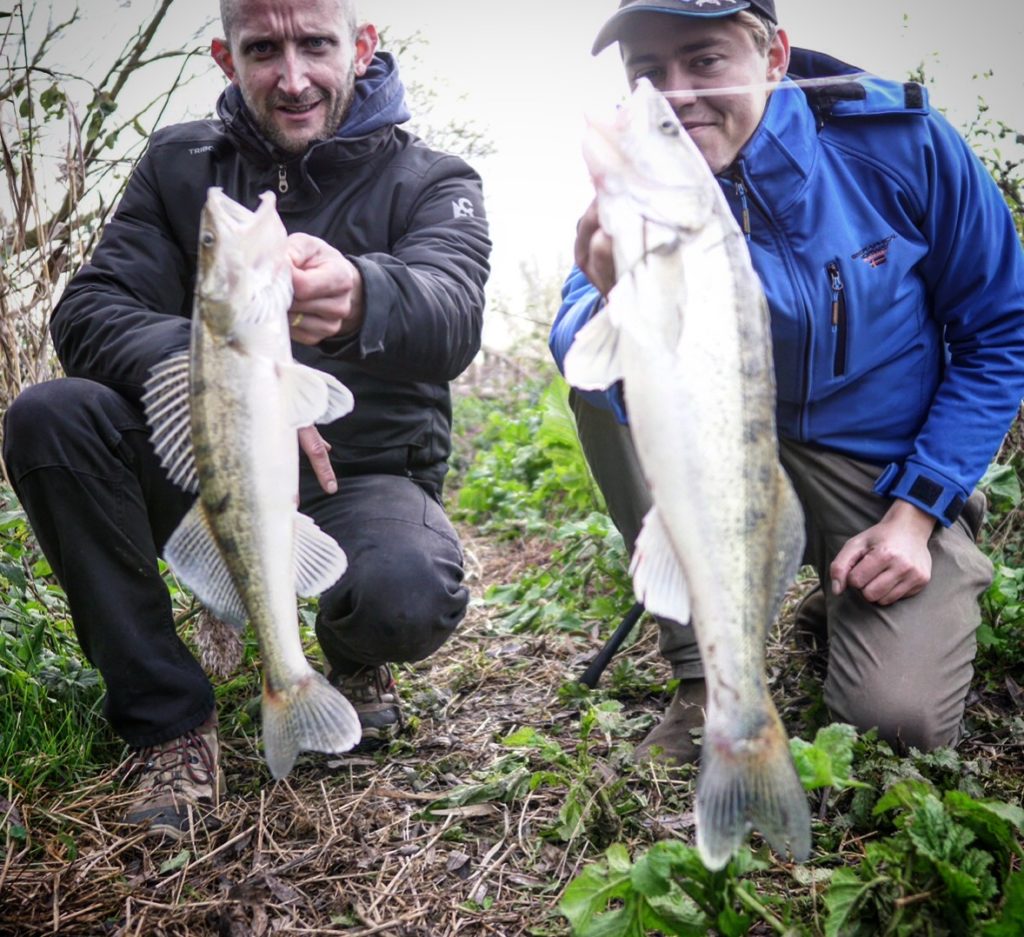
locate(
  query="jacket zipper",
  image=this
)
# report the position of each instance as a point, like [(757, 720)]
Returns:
[(839, 324), (282, 179), (741, 194)]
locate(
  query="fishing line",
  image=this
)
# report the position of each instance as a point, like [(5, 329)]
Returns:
[(789, 85)]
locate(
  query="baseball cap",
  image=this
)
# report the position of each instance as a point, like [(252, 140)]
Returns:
[(704, 8)]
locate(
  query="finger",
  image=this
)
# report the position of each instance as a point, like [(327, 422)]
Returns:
[(851, 553), (885, 588), (303, 248), (317, 450)]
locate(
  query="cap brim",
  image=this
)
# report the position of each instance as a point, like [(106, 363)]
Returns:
[(610, 31)]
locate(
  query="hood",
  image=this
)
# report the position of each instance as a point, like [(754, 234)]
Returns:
[(379, 101)]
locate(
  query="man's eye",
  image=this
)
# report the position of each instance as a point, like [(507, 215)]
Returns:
[(317, 42), (260, 48)]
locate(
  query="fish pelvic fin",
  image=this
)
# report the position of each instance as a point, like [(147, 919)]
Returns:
[(166, 403), (319, 560), (194, 557), (593, 361), (313, 396), (311, 715), (749, 782), (658, 579)]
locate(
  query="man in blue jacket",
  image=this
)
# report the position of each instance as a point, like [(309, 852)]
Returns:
[(895, 282), (389, 250)]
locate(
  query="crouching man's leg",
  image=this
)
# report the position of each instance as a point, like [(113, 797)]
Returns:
[(401, 597), (904, 668), (79, 457), (609, 450)]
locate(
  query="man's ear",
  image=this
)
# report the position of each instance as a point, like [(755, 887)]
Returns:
[(366, 45), (778, 56), (222, 56)]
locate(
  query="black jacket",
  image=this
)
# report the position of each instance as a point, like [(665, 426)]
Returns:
[(409, 217)]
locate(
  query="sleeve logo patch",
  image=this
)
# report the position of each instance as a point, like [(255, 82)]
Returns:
[(462, 208)]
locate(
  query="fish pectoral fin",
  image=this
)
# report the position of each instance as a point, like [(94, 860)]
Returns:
[(194, 557), (313, 396), (593, 360), (166, 403), (658, 579), (319, 560)]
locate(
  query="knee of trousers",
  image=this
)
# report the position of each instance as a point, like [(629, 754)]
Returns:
[(64, 422), (904, 713), (376, 616)]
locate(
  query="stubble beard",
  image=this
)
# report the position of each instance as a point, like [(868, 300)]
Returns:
[(264, 117)]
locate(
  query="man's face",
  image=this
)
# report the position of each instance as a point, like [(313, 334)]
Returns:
[(683, 55), (295, 62)]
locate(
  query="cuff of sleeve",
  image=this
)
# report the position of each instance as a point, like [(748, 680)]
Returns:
[(369, 339), (929, 491)]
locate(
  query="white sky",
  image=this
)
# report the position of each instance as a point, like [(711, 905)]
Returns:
[(523, 72)]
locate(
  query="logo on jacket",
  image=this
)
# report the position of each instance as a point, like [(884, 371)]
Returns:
[(876, 254), (462, 208), (196, 150)]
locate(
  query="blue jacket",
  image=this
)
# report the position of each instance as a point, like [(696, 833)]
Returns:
[(894, 277)]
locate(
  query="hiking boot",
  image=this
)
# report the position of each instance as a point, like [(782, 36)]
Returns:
[(178, 783), (374, 696), (671, 741), (810, 623)]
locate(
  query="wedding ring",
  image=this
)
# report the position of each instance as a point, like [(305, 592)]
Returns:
[(296, 320)]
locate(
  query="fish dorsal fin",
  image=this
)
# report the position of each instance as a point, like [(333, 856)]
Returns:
[(313, 396), (658, 579), (193, 555), (592, 362), (166, 403), (319, 561)]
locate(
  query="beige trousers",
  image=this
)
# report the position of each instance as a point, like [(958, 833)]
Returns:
[(904, 669)]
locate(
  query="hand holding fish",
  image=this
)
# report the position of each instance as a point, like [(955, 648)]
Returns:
[(594, 251), (889, 561), (328, 287)]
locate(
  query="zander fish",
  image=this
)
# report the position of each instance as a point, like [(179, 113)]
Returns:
[(225, 414), (686, 330)]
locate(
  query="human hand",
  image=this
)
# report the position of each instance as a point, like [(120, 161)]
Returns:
[(328, 289), (317, 450), (889, 561), (593, 251)]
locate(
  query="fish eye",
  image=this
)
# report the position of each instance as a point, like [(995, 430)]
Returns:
[(207, 238), (669, 127)]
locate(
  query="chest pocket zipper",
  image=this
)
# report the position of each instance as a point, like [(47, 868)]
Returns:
[(840, 325)]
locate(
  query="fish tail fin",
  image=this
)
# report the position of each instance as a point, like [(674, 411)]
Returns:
[(311, 715), (749, 782)]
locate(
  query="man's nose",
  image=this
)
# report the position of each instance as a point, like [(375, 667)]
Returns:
[(293, 79)]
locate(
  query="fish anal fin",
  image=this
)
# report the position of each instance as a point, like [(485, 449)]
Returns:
[(194, 557), (313, 396), (319, 560), (311, 715), (658, 579), (749, 783)]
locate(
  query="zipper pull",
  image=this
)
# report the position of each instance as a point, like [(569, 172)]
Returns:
[(741, 192), (837, 289), (282, 179)]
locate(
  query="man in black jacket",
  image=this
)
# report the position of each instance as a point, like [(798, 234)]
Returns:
[(389, 249)]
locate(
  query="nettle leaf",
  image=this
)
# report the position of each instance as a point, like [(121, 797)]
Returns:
[(908, 794), (826, 762), (993, 822), (1002, 487), (844, 899), (1011, 919), (935, 834), (589, 893)]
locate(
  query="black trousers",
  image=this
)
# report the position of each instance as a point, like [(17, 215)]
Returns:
[(79, 457)]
